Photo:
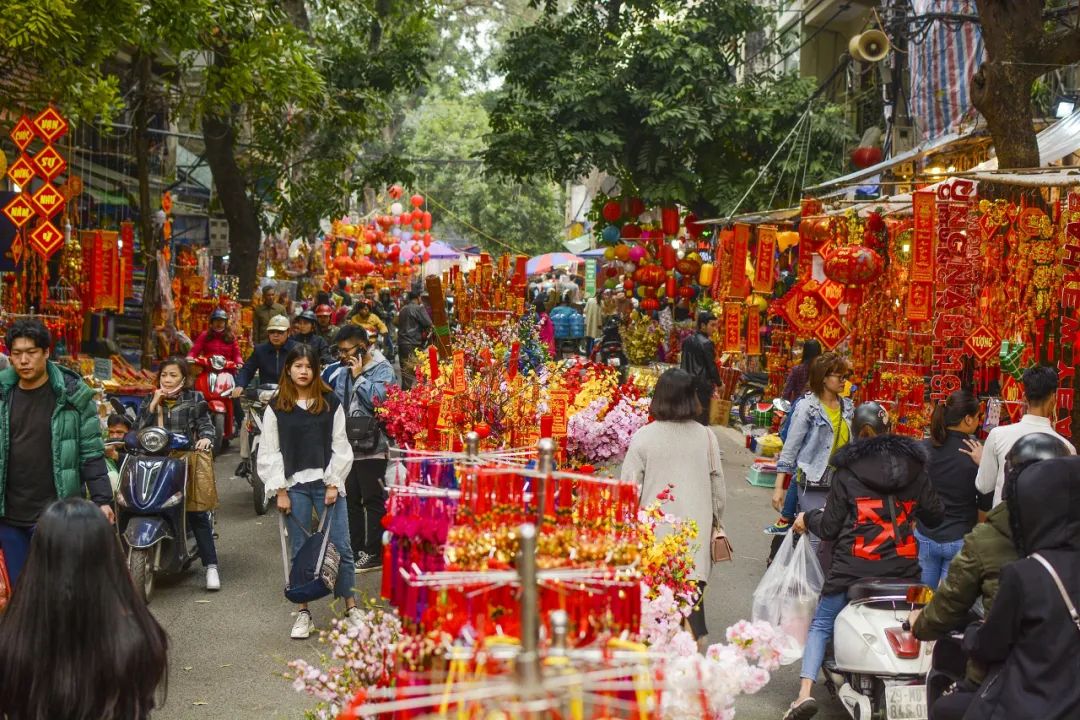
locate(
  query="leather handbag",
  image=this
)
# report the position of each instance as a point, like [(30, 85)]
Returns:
[(721, 549), (364, 433)]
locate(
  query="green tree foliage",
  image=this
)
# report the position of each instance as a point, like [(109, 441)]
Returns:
[(443, 140), (645, 90)]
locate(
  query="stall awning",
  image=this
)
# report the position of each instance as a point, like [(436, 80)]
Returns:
[(913, 154), (1055, 142)]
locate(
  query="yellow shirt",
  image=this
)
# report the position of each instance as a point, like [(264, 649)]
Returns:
[(841, 432), (374, 325)]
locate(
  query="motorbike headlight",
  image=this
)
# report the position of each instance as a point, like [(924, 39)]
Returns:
[(153, 439), (176, 499)]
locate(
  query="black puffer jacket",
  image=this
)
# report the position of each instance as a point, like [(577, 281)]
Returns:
[(1028, 632), (869, 475)]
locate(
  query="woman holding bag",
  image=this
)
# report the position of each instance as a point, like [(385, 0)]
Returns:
[(180, 410), (676, 450), (304, 459), (873, 471)]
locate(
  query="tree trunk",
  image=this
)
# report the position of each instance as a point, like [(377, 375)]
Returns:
[(1002, 93), (245, 235), (147, 232)]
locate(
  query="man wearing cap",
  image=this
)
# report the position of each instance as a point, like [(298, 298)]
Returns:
[(326, 329), (305, 324), (263, 313), (267, 362)]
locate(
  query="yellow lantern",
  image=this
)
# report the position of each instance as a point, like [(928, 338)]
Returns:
[(705, 275), (787, 239)]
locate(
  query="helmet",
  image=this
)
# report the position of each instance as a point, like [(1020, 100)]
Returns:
[(1034, 447), (872, 415), (278, 323), (323, 310), (219, 314), (307, 315)]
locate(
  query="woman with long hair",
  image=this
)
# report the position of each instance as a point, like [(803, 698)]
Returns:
[(304, 459), (546, 327), (820, 425), (952, 467), (77, 642), (179, 409), (678, 451)]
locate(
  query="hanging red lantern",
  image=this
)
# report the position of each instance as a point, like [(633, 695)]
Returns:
[(649, 305), (363, 266), (652, 276), (394, 252), (853, 265), (637, 207), (426, 219), (344, 264), (669, 287), (630, 231), (396, 191), (415, 248), (668, 257), (417, 200), (611, 271), (417, 226), (688, 267), (864, 157), (611, 211), (427, 256), (628, 285), (669, 220), (687, 292), (693, 229), (426, 239)]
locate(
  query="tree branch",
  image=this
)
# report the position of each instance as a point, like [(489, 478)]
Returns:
[(1061, 48)]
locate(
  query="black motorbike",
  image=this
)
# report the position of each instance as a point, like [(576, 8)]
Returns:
[(749, 393), (609, 350), (258, 399)]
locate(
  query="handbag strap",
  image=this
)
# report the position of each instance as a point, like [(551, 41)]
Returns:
[(348, 388), (324, 527), (1060, 586), (284, 547)]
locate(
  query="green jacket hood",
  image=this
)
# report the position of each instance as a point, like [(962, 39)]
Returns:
[(67, 384), (999, 520)]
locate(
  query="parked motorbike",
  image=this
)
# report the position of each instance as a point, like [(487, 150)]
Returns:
[(151, 503), (216, 383), (878, 669), (609, 350), (259, 398), (748, 394)]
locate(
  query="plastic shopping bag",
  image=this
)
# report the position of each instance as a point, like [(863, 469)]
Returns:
[(788, 593)]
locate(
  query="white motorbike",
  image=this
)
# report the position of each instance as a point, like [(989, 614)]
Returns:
[(878, 669)]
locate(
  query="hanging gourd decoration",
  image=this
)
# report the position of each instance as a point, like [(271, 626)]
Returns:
[(853, 265), (611, 211)]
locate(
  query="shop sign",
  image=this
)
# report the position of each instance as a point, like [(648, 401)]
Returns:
[(21, 172), (49, 163), (19, 211), (983, 343), (590, 278), (50, 125), (48, 201), (23, 133), (45, 239), (765, 259), (831, 332)]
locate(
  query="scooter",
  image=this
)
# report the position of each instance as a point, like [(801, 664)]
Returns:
[(151, 501), (748, 394), (259, 398), (609, 351), (216, 383), (878, 669)]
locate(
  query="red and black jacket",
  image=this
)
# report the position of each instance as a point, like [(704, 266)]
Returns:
[(871, 541)]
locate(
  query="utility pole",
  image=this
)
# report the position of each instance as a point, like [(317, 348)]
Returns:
[(147, 233)]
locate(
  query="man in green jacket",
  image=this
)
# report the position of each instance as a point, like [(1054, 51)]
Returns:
[(50, 440)]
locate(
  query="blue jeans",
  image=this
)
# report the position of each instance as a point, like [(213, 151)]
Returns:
[(200, 524), (15, 542), (310, 497), (935, 557), (821, 631), (791, 502)]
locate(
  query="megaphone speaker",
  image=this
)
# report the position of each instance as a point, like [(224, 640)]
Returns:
[(870, 46)]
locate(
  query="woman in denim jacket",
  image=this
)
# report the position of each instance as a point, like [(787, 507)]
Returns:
[(820, 426)]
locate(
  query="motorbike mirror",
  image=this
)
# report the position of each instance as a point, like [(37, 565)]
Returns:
[(919, 595)]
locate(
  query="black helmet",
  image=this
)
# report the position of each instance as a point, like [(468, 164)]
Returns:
[(219, 314), (872, 415), (307, 315), (1034, 447)]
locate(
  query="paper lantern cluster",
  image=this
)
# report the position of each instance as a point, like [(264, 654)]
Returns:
[(389, 243)]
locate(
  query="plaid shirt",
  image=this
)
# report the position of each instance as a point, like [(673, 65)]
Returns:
[(188, 415), (796, 383)]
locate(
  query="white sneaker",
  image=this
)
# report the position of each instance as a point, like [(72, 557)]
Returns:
[(301, 629), (213, 581), (354, 617)]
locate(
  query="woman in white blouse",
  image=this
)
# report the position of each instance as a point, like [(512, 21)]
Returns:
[(304, 458)]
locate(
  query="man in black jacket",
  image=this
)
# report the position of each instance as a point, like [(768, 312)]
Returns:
[(699, 359), (413, 324), (879, 485), (267, 362)]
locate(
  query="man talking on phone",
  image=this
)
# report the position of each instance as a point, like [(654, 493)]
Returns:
[(359, 379)]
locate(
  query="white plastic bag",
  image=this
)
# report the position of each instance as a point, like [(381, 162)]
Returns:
[(788, 593)]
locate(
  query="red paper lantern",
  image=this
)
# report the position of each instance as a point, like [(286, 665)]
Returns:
[(611, 211), (688, 267), (669, 287), (652, 276), (687, 292), (426, 219), (864, 157), (396, 191), (628, 285), (426, 239), (415, 248), (344, 264), (668, 257), (637, 207), (611, 271), (363, 266), (630, 231), (693, 229), (853, 265), (427, 256), (417, 200), (669, 220), (649, 305)]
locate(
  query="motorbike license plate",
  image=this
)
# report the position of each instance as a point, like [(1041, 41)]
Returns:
[(906, 702)]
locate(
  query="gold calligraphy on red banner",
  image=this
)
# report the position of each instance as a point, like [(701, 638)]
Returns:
[(922, 241), (732, 327), (738, 260), (765, 259), (559, 402), (753, 333)]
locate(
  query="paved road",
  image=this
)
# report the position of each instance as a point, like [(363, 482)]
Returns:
[(229, 649)]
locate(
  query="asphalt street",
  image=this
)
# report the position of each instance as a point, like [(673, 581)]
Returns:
[(229, 649)]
